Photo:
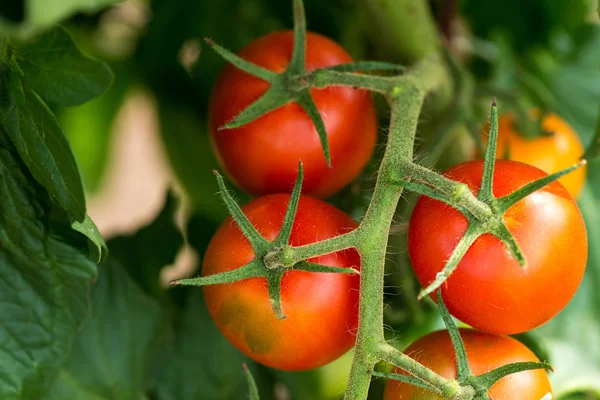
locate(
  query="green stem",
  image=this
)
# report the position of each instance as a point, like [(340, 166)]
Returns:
[(406, 99), (5, 52), (448, 388), (287, 255), (458, 192), (404, 27)]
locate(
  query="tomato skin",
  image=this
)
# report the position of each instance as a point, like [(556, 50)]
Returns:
[(262, 157), (549, 153), (321, 308), (485, 352), (489, 290)]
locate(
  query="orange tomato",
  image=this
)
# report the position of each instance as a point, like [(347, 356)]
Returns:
[(549, 153), (485, 352)]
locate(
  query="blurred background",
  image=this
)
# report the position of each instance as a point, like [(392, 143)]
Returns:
[(148, 134)]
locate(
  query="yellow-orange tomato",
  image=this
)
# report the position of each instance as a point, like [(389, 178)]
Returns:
[(485, 352), (549, 153)]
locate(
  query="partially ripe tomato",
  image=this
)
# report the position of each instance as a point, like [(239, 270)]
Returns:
[(321, 308), (262, 157), (489, 290), (561, 149), (485, 352)]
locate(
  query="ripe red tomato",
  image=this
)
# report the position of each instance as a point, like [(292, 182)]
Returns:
[(485, 352), (489, 290), (549, 153), (262, 156), (321, 308)]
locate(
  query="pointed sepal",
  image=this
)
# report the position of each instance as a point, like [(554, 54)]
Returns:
[(462, 363), (252, 388), (472, 233), (257, 241), (283, 237), (487, 181)]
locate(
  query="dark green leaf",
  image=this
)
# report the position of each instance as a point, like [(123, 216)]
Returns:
[(56, 70), (113, 352), (151, 248), (528, 23), (44, 283), (42, 145), (199, 363), (576, 86)]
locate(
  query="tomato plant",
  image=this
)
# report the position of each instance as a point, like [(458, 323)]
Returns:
[(293, 115), (485, 353), (489, 289), (321, 308), (558, 148), (262, 156)]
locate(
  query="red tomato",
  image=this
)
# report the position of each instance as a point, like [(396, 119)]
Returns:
[(489, 290), (262, 156), (321, 308), (485, 352), (551, 153)]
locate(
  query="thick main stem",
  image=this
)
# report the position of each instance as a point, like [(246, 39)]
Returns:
[(406, 101)]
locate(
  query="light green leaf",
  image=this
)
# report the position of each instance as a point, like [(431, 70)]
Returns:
[(44, 282), (98, 249), (117, 344), (42, 145), (55, 69), (40, 14)]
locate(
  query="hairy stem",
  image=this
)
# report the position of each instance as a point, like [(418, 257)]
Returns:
[(406, 99)]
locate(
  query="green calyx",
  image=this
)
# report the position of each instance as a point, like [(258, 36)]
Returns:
[(467, 385), (294, 84), (272, 259), (484, 213)]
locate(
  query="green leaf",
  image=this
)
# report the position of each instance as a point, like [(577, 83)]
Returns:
[(97, 245), (42, 145), (515, 17), (202, 364), (151, 248), (89, 128), (44, 282), (112, 353), (40, 14), (576, 85), (55, 69)]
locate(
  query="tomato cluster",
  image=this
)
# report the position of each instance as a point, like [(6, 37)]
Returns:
[(261, 157), (489, 289)]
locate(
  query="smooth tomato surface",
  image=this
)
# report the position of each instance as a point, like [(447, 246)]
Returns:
[(485, 352), (489, 290), (262, 156), (549, 153), (321, 308)]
